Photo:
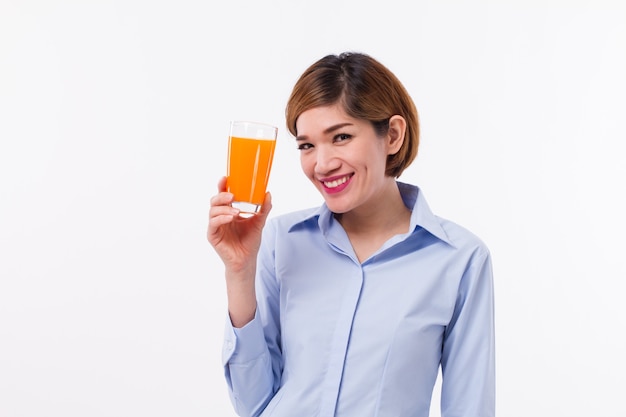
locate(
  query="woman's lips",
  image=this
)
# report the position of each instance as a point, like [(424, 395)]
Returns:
[(336, 184)]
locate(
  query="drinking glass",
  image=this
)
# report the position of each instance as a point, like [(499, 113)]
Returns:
[(250, 153)]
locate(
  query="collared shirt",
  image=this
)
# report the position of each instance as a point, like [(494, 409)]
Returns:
[(333, 336)]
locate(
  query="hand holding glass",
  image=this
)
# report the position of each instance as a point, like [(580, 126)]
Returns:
[(250, 153)]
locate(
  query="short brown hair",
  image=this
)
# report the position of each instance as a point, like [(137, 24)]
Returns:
[(367, 90)]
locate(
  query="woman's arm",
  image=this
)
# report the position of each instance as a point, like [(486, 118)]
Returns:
[(252, 355), (250, 376), (468, 359)]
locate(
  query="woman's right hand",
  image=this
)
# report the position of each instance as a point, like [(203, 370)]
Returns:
[(236, 239)]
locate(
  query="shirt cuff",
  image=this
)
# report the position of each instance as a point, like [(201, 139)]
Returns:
[(243, 344)]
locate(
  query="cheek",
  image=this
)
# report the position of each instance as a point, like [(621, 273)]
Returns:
[(306, 164)]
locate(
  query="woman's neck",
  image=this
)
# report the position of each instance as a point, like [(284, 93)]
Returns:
[(370, 227)]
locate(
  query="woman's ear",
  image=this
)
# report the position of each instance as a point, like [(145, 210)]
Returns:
[(395, 136)]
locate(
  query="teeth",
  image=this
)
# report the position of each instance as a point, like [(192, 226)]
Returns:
[(335, 183)]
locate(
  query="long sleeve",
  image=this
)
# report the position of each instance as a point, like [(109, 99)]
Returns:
[(468, 359), (251, 354)]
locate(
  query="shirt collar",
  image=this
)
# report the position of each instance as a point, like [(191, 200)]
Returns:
[(413, 197), (421, 215)]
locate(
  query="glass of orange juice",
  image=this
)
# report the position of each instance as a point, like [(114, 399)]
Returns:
[(250, 153)]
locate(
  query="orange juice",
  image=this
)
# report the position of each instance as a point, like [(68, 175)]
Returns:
[(249, 165)]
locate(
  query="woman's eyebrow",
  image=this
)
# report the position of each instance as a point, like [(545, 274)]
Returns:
[(327, 130)]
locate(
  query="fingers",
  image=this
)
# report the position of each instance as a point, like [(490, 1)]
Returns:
[(221, 211), (223, 198), (222, 184), (261, 217), (267, 204)]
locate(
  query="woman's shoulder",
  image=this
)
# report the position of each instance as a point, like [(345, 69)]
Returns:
[(291, 220), (462, 237)]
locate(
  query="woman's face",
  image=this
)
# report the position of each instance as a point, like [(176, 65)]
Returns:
[(343, 158)]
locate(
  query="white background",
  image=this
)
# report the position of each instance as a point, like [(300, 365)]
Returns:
[(113, 125)]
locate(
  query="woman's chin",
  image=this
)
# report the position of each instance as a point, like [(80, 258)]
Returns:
[(335, 206)]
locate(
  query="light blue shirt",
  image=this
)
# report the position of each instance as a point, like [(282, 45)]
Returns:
[(333, 336)]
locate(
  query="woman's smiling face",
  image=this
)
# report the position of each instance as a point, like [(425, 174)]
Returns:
[(343, 157)]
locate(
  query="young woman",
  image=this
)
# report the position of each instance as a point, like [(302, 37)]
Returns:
[(351, 308)]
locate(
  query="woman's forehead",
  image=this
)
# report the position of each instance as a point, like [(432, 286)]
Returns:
[(322, 118)]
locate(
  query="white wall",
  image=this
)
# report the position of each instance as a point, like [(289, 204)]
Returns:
[(113, 123)]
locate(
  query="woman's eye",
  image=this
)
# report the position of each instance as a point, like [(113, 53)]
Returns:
[(304, 146), (342, 137)]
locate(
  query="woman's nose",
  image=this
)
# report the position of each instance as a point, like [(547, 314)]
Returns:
[(326, 160)]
